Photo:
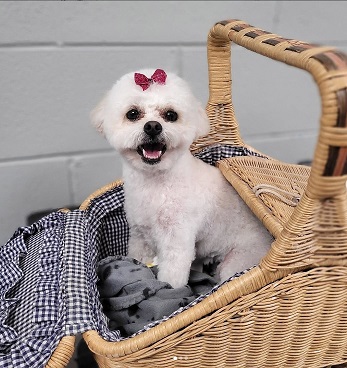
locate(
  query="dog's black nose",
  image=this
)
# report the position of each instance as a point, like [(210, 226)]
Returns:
[(152, 128)]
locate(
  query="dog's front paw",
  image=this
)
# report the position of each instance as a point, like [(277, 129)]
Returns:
[(142, 256), (140, 251)]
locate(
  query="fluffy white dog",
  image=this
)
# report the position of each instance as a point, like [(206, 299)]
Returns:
[(178, 208)]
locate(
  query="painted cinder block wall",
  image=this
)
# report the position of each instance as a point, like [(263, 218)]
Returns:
[(57, 59)]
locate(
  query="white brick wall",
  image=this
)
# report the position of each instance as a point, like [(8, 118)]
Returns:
[(58, 58)]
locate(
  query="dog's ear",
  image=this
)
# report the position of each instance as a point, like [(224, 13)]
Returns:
[(203, 123), (97, 115)]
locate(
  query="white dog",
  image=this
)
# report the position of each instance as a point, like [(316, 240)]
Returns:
[(178, 207)]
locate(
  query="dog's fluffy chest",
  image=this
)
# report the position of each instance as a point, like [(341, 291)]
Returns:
[(165, 204), (180, 197)]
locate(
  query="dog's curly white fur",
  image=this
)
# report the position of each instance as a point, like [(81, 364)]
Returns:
[(178, 207)]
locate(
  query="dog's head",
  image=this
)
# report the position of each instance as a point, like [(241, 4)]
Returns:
[(150, 118)]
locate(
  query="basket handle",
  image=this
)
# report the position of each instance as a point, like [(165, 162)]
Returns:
[(303, 240), (329, 70)]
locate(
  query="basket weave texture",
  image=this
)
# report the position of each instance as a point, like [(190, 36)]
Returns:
[(290, 310)]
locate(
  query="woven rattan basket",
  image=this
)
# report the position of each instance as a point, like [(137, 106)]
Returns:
[(291, 310)]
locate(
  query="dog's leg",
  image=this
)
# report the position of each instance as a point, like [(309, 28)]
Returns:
[(139, 249), (175, 256)]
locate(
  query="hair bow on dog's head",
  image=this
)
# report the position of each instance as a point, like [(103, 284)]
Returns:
[(159, 76)]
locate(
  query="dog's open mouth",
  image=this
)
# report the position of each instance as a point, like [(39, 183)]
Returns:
[(151, 153)]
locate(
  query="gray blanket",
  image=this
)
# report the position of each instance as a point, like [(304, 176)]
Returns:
[(132, 297)]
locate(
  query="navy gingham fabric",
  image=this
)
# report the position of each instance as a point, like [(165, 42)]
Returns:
[(218, 152), (30, 292), (48, 281)]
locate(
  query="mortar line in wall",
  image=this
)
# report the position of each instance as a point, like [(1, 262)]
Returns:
[(70, 181), (136, 44), (96, 45), (55, 155), (19, 45), (281, 135), (277, 15), (179, 60)]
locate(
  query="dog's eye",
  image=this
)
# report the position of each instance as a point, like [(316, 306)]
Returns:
[(170, 115), (133, 114)]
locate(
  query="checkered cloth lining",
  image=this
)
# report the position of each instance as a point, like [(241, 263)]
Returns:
[(31, 265), (48, 284)]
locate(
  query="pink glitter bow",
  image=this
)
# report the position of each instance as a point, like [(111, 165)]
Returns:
[(159, 76)]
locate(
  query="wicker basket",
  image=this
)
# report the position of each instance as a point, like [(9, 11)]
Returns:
[(291, 310)]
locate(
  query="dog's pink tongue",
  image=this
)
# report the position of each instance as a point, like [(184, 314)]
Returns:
[(152, 154)]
